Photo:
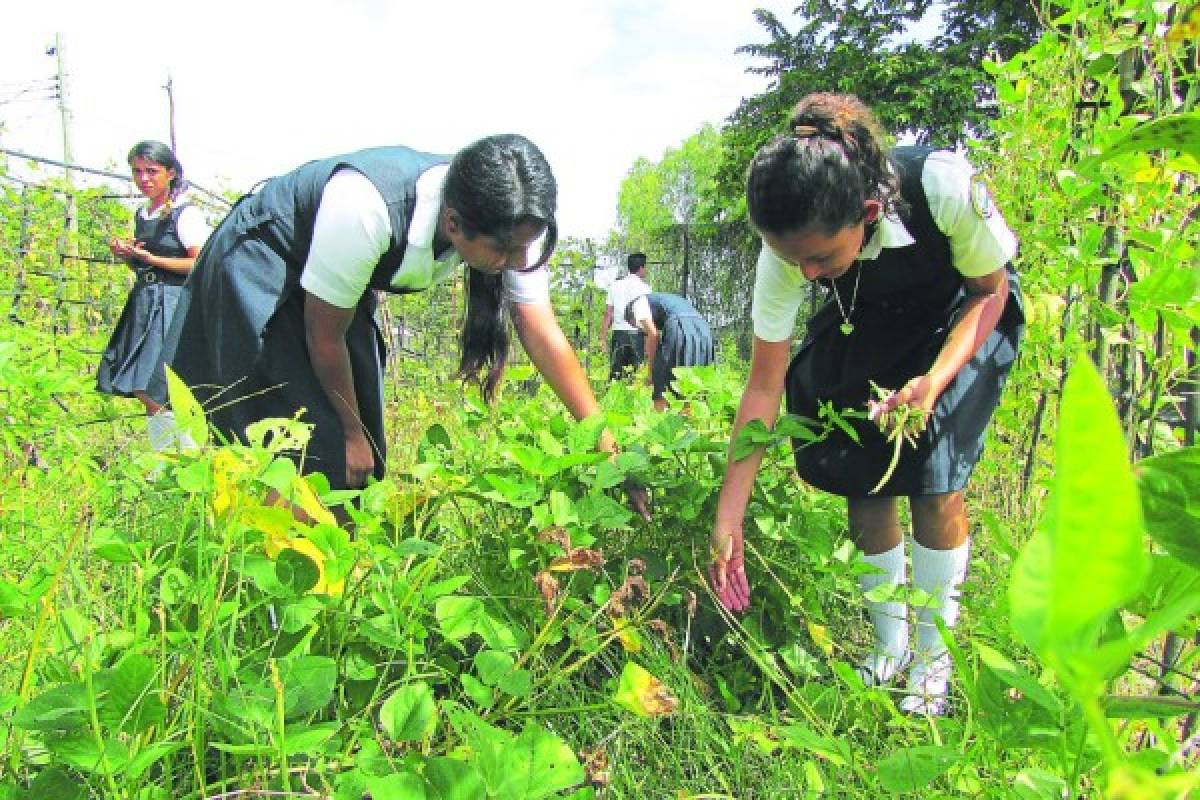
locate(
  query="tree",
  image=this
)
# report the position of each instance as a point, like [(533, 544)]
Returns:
[(936, 91)]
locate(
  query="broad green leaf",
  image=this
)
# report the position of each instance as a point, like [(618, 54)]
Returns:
[(451, 779), (410, 714), (53, 782), (1175, 132), (537, 764), (481, 694), (1038, 784), (308, 739), (62, 709), (460, 616), (1170, 493), (835, 751), (296, 570), (126, 695), (913, 768), (1148, 707), (147, 757), (1015, 676), (517, 493), (562, 510), (189, 416), (308, 683), (493, 665), (753, 435), (1088, 556), (399, 786)]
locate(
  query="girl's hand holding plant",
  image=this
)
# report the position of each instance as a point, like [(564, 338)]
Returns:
[(901, 416)]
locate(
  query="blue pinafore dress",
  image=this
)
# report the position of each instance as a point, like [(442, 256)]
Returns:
[(908, 300), (685, 339), (238, 340), (133, 358)]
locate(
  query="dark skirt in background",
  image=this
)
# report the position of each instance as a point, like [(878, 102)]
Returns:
[(133, 358), (686, 342), (891, 346), (626, 353)]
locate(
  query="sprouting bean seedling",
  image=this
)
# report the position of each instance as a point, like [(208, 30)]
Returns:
[(904, 423)]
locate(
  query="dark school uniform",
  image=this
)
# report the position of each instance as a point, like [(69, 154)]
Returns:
[(133, 357), (239, 337), (684, 338), (908, 298)]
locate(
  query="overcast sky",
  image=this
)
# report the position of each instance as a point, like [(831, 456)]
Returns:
[(262, 86)]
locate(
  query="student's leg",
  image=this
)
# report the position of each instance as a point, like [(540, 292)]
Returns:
[(940, 554), (875, 528)]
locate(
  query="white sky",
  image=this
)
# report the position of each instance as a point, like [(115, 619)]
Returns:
[(262, 86)]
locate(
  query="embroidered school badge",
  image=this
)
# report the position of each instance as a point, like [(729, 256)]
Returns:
[(981, 199)]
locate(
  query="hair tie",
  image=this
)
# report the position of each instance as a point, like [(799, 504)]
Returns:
[(805, 131)]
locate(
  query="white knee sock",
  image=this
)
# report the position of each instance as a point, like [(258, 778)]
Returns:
[(889, 619), (938, 573)]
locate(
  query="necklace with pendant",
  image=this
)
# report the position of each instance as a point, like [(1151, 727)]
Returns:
[(847, 327)]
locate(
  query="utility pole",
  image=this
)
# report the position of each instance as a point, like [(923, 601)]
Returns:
[(72, 220), (170, 87)]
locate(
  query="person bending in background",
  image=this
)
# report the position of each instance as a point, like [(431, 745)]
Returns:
[(626, 346), (914, 258), (676, 336), (278, 316), (168, 233)]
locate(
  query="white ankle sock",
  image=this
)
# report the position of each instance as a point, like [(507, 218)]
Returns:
[(165, 434), (889, 619), (160, 428)]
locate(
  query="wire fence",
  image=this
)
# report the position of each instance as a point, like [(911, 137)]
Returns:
[(58, 276)]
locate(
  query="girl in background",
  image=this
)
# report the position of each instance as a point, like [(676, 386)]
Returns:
[(168, 234)]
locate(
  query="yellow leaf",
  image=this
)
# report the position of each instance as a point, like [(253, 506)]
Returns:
[(306, 548), (820, 637), (227, 470), (276, 524), (627, 635), (303, 496), (643, 694)]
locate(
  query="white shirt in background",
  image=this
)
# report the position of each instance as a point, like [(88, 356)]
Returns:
[(620, 294)]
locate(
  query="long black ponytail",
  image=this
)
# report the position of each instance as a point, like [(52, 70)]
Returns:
[(495, 185)]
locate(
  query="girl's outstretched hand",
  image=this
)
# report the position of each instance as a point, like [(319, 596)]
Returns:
[(727, 569)]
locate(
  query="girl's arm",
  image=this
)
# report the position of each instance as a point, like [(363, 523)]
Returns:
[(552, 354), (325, 327), (987, 296), (760, 400)]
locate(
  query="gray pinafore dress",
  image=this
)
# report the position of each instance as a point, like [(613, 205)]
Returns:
[(685, 339), (239, 340), (908, 299), (134, 354)]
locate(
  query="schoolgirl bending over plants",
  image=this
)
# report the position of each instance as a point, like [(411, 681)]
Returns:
[(278, 316), (914, 259)]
